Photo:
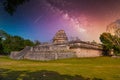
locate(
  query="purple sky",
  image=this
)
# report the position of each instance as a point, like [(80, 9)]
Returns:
[(40, 19)]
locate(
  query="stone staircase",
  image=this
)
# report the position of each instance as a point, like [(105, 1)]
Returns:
[(20, 55)]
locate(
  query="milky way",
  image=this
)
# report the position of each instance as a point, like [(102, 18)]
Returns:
[(88, 15), (40, 19)]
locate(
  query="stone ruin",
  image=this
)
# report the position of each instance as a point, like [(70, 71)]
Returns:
[(60, 48), (60, 37)]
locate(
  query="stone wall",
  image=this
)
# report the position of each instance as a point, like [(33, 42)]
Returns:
[(49, 47), (48, 55), (53, 52), (59, 49), (14, 54), (49, 52), (84, 49), (19, 54), (44, 52), (85, 52)]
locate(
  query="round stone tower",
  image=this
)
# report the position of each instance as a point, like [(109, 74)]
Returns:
[(60, 37)]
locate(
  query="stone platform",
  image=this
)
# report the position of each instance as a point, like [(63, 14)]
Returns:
[(60, 48)]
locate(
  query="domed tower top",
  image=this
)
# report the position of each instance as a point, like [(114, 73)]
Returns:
[(114, 28), (60, 37)]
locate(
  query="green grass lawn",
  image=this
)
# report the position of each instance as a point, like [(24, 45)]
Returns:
[(101, 68)]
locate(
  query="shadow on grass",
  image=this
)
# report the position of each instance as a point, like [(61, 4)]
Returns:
[(6, 74)]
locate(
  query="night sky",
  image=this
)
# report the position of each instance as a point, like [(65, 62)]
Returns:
[(41, 19)]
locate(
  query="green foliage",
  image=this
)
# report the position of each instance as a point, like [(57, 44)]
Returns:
[(1, 46), (37, 42), (11, 5), (3, 34), (27, 42), (106, 38), (117, 50), (110, 42), (13, 43)]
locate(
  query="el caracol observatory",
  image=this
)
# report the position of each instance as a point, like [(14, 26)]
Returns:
[(58, 49), (60, 37)]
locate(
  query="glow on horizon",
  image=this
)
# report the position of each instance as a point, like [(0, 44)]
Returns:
[(40, 19)]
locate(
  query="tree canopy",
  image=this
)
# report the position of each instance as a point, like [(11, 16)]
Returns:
[(12, 43), (11, 5), (110, 42)]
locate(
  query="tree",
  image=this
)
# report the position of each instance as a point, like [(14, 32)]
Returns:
[(12, 43), (15, 43), (6, 44), (1, 46), (36, 42), (3, 34), (110, 42), (28, 43), (11, 5)]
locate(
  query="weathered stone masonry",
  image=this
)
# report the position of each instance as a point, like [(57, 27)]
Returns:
[(60, 48)]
